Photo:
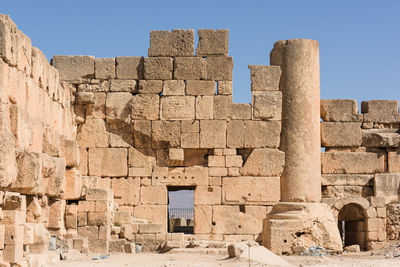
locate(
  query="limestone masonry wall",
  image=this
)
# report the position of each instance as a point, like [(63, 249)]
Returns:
[(90, 146)]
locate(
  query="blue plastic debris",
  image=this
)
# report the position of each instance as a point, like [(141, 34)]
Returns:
[(102, 257), (316, 251)]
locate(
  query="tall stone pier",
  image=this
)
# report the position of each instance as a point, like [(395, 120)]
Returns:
[(300, 220)]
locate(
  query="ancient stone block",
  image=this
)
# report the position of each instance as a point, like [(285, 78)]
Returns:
[(150, 86), (8, 163), (94, 194), (141, 158), (224, 88), (387, 185), (219, 68), (29, 179), (13, 253), (189, 68), (204, 107), (92, 133), (380, 138), (83, 164), (230, 219), (222, 107), (191, 176), (129, 68), (202, 219), (53, 173), (74, 68), (158, 68), (56, 214), (337, 134), (154, 195), (98, 246), (207, 195), (352, 162), (340, 110), (175, 156), (177, 108), (212, 134), (190, 126), (118, 107), (104, 68), (166, 134), (73, 184), (98, 218), (267, 105), (176, 43), (216, 161), (152, 213), (381, 111), (108, 162), (174, 87), (340, 191), (142, 133), (151, 228), (234, 161), (91, 232), (265, 78), (126, 190), (212, 42), (145, 107), (264, 162), (235, 134), (70, 151), (250, 190), (218, 171), (347, 179), (195, 87), (394, 162), (261, 134), (13, 234), (117, 85), (190, 140)]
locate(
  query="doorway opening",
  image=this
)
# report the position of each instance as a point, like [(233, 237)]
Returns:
[(181, 209), (352, 225)]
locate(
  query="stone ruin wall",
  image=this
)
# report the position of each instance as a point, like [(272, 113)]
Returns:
[(90, 146)]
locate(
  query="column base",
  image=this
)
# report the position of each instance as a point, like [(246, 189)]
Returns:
[(292, 227)]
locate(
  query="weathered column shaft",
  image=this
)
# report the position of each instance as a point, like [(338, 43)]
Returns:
[(300, 138)]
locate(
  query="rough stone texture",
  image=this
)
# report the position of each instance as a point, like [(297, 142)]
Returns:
[(337, 134), (213, 42), (166, 134), (347, 179), (74, 68), (153, 195), (118, 107), (394, 162), (204, 107), (381, 111), (200, 88), (117, 85), (241, 111), (145, 107), (267, 105), (352, 162), (207, 195), (158, 68), (126, 190), (202, 219), (92, 133), (108, 161), (171, 44), (189, 68), (192, 176), (150, 86), (387, 185), (212, 134), (222, 107), (340, 110), (264, 162), (177, 108), (129, 68), (104, 68), (261, 134), (265, 78), (219, 68)]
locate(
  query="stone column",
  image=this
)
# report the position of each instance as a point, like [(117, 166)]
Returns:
[(300, 137)]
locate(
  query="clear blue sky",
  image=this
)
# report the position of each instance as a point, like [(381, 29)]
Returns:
[(359, 40)]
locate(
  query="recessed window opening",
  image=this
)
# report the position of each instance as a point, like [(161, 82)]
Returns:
[(352, 227), (181, 209)]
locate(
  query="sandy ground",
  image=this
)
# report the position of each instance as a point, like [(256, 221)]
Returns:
[(200, 259)]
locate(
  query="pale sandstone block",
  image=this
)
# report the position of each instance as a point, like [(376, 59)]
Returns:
[(347, 179), (191, 176), (117, 141), (207, 195), (104, 68), (337, 134), (189, 68), (129, 68), (222, 107), (216, 161), (70, 151), (267, 105), (176, 155), (152, 213), (190, 140), (202, 219), (139, 171), (387, 185), (104, 232), (98, 218), (224, 88), (145, 107), (234, 161), (178, 108), (380, 138), (98, 246), (91, 232), (53, 171), (108, 162), (375, 224), (83, 98), (73, 184), (261, 134), (213, 181), (196, 88), (234, 171), (235, 133), (340, 110), (71, 221), (142, 133), (29, 179), (230, 220), (158, 68), (264, 162), (56, 214), (13, 253), (141, 158), (381, 111), (74, 68), (265, 78), (228, 151), (83, 162), (394, 162), (212, 134), (218, 171), (204, 107), (219, 68), (176, 43), (95, 194), (117, 85), (154, 195), (212, 42), (13, 234), (15, 217), (174, 87), (352, 162), (150, 86), (92, 133), (118, 107), (190, 126), (8, 163), (166, 134)]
